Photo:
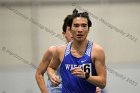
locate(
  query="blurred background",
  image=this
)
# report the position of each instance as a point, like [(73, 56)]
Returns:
[(29, 27)]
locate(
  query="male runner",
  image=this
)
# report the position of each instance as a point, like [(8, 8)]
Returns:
[(82, 63), (53, 87)]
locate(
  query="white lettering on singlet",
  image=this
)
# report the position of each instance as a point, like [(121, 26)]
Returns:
[(71, 66), (85, 67)]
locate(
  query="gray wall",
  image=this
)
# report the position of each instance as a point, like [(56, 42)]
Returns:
[(27, 29)]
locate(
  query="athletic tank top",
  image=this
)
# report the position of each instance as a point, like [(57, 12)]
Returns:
[(74, 84)]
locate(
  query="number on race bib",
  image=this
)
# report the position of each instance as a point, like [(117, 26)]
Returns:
[(87, 68)]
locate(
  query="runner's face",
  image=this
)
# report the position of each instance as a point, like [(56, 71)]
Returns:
[(79, 28), (67, 34)]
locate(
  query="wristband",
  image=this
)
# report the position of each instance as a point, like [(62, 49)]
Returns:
[(86, 75)]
